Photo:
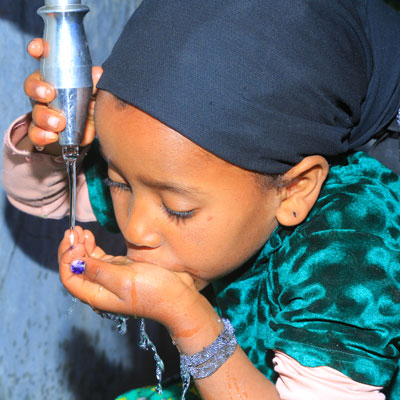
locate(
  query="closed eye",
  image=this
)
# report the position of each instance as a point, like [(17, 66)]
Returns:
[(178, 215), (116, 185)]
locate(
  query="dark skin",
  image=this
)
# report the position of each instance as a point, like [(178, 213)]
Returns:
[(183, 212)]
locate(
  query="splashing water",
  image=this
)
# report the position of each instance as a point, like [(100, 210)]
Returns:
[(71, 307), (145, 343), (121, 321), (185, 376)]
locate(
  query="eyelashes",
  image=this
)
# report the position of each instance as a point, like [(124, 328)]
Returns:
[(172, 214), (116, 185), (178, 215)]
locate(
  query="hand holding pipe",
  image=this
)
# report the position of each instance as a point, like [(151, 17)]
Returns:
[(66, 64)]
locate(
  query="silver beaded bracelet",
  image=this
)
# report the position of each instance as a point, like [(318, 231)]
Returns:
[(207, 361)]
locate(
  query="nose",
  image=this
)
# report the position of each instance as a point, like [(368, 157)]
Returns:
[(141, 228)]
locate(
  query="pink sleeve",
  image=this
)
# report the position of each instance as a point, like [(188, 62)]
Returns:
[(37, 183), (298, 382)]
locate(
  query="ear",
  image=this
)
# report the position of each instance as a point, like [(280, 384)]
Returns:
[(299, 196)]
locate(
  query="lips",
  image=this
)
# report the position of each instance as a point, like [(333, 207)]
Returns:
[(139, 259), (140, 254)]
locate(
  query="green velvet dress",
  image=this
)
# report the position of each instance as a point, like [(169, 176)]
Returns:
[(326, 292)]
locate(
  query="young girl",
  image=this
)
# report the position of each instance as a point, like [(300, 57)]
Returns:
[(229, 131)]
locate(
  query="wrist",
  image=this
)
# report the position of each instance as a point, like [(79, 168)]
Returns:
[(195, 327), (211, 358)]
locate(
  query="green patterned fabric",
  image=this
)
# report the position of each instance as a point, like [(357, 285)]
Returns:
[(172, 392), (327, 292), (95, 168)]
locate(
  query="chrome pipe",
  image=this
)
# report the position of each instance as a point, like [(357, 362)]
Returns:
[(66, 64)]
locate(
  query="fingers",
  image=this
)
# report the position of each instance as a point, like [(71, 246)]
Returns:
[(106, 283), (90, 245), (47, 123), (37, 89), (48, 119), (83, 237), (40, 137), (96, 286), (70, 240), (35, 48), (118, 279), (45, 126), (97, 71), (90, 132)]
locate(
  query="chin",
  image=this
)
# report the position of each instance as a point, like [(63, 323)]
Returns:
[(200, 284)]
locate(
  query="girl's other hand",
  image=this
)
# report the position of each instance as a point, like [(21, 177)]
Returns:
[(47, 123)]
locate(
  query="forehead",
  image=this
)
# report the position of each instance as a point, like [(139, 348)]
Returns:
[(130, 138), (118, 122)]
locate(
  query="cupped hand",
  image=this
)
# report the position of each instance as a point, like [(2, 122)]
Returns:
[(119, 285), (47, 123)]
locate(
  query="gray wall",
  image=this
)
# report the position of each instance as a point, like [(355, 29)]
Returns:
[(50, 347)]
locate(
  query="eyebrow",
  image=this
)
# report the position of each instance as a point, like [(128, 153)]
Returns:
[(178, 188)]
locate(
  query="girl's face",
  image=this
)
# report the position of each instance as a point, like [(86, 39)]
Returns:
[(177, 205)]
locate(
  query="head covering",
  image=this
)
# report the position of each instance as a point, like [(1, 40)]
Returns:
[(262, 83)]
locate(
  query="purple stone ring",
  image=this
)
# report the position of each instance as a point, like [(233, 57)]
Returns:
[(78, 266)]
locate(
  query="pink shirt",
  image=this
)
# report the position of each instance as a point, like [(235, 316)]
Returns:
[(37, 184)]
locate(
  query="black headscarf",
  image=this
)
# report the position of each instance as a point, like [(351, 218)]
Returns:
[(262, 83)]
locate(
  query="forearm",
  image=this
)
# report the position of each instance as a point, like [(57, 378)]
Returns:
[(37, 183), (236, 378)]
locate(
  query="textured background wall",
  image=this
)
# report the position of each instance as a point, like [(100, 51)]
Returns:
[(47, 352)]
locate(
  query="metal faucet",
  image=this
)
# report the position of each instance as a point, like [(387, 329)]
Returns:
[(66, 64)]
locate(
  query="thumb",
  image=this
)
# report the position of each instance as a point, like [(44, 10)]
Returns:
[(100, 284), (67, 258)]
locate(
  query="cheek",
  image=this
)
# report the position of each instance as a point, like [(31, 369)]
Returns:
[(226, 241), (121, 203), (212, 245), (192, 243)]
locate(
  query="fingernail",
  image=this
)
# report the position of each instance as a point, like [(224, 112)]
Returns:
[(39, 148), (71, 238), (53, 121), (33, 44), (50, 136), (41, 91), (78, 267)]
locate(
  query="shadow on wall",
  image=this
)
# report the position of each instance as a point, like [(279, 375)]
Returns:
[(79, 350), (23, 14), (39, 237)]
